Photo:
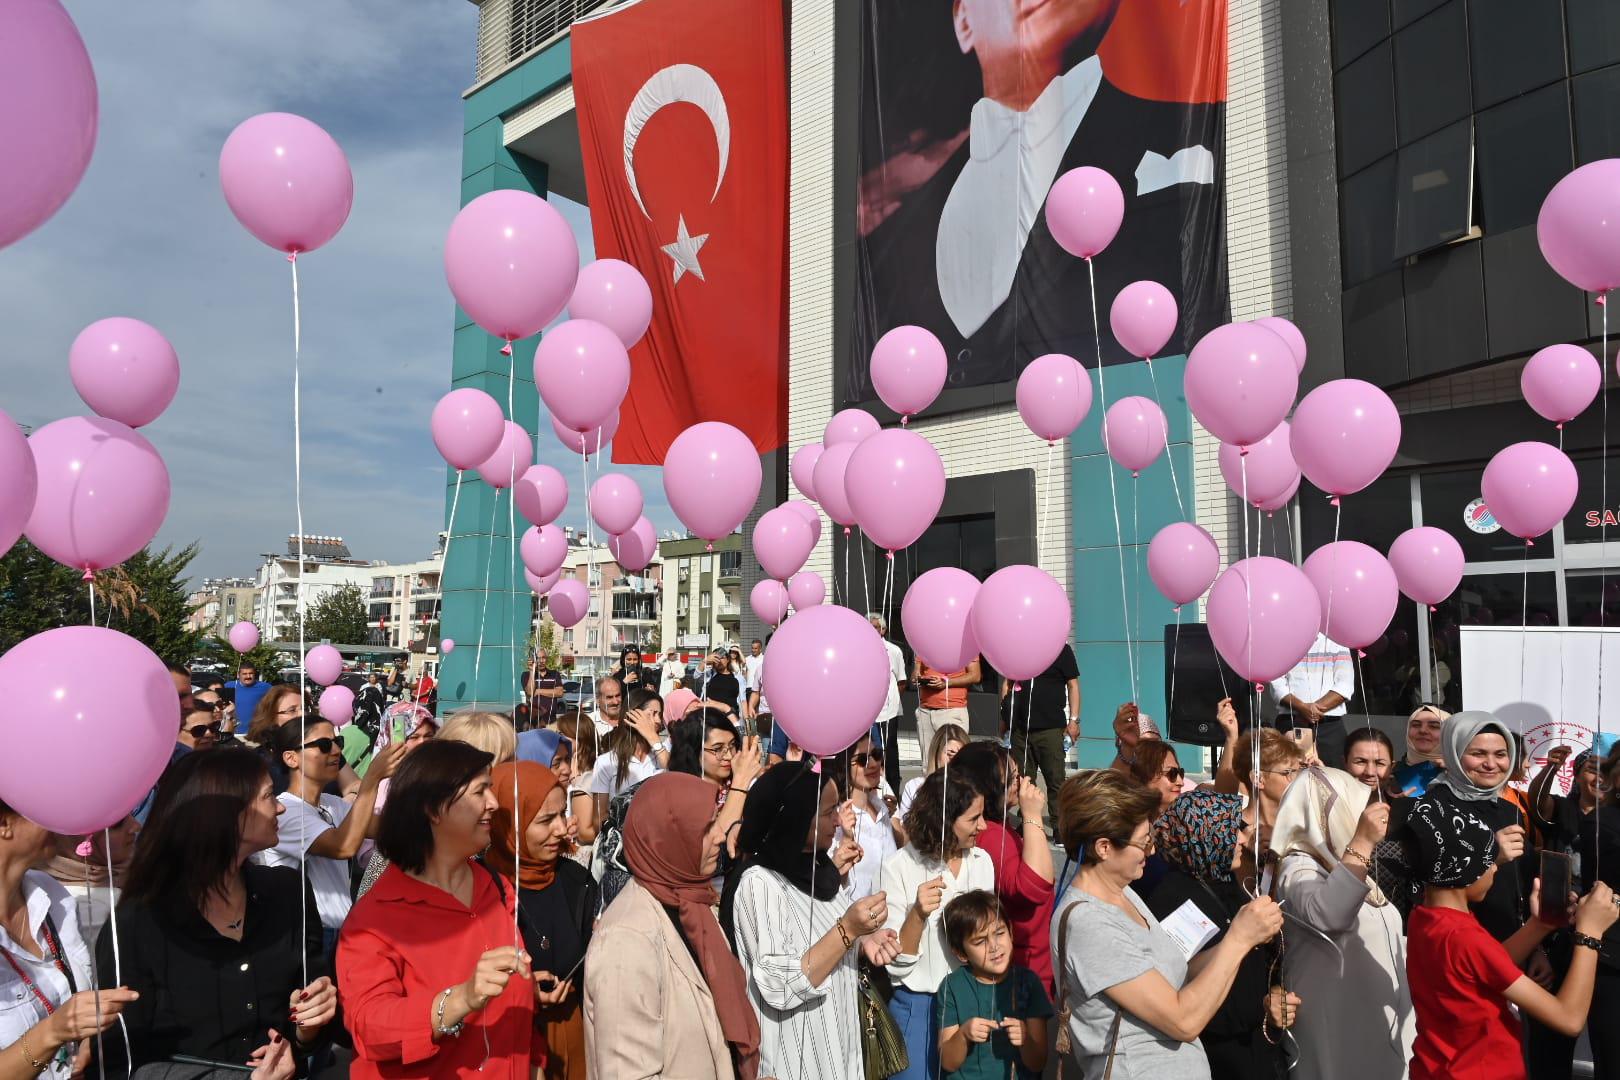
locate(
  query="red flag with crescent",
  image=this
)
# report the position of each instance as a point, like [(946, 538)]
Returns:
[(683, 128)]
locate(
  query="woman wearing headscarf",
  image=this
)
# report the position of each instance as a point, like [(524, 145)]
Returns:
[(796, 928), (664, 996), (1359, 1021), (557, 899)]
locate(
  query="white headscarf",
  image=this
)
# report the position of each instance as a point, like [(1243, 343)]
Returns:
[(1318, 816)]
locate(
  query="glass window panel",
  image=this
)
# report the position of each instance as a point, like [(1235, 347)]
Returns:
[(1357, 26), (1524, 149), (1375, 515), (1388, 678), (1594, 33), (1407, 10), (1431, 73), (1367, 222), (1593, 598), (1364, 104), (1448, 499), (1597, 113), (1486, 600), (1434, 190), (1585, 523), (1516, 46)]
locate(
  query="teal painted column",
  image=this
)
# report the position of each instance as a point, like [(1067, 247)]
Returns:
[(1105, 645)]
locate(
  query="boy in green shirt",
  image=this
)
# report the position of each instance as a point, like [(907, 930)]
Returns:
[(993, 1013)]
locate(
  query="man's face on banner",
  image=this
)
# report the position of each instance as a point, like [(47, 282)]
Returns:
[(1004, 32)]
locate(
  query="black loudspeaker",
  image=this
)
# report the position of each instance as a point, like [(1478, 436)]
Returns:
[(1195, 680)]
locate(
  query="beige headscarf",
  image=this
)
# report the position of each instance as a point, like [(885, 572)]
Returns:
[(1318, 817)]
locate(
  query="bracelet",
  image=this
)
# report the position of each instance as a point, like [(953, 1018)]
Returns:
[(438, 1017), (1588, 941), (849, 942), (28, 1055), (1352, 853)]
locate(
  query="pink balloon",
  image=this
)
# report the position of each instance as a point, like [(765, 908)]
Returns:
[(511, 262), (635, 548), (712, 476), (467, 426), (849, 426), (1240, 382), (1560, 381), (543, 548), (244, 636), (1345, 434), (19, 483), (769, 601), (103, 492), (447, 646), (1143, 318), (908, 369), (782, 542), (106, 695), (1135, 433), (588, 442), (1579, 226), (937, 615), (336, 705), (827, 673), (615, 503), (323, 664), (803, 468), (569, 602), (806, 590), (1428, 563), (832, 468), (50, 131), (1291, 336), (613, 293), (541, 494), (511, 458), (1269, 466), (1084, 210), (542, 584), (1272, 505), (1357, 589), (1021, 619), (1054, 395), (895, 483), (287, 181), (582, 372), (1529, 486), (1182, 560), (1263, 615), (810, 514), (124, 370)]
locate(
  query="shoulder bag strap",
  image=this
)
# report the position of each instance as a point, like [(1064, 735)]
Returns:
[(1063, 1041)]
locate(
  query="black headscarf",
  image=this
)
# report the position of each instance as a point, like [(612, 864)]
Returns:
[(1451, 847), (777, 815)]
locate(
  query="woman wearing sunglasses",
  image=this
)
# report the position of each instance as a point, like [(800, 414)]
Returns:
[(1156, 766), (857, 773)]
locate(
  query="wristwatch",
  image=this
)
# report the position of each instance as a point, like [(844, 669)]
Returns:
[(662, 747), (1588, 940)]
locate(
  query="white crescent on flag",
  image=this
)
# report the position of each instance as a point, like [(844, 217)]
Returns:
[(678, 82)]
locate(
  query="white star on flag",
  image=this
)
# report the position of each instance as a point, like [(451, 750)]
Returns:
[(684, 251)]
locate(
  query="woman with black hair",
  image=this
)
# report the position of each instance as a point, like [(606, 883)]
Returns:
[(630, 672)]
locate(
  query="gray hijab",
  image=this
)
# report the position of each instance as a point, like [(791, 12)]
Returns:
[(1455, 734)]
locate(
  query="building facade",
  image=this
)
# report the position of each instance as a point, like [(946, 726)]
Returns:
[(403, 602), (327, 567), (221, 603), (702, 596), (623, 612)]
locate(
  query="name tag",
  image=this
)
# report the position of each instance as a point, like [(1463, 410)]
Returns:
[(1189, 928)]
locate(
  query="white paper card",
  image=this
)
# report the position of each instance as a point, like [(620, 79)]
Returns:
[(1190, 928)]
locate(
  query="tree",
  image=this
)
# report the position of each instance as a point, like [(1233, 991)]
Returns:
[(548, 642), (267, 661), (339, 616)]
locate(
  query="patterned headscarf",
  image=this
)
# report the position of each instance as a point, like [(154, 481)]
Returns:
[(410, 714), (1451, 846), (1199, 833)]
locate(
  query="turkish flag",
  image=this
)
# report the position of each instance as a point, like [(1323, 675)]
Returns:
[(683, 127)]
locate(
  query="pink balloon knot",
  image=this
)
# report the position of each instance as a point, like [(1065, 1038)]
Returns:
[(84, 850), (506, 350), (846, 532), (1559, 425), (815, 766), (1019, 686), (709, 546), (891, 556), (1177, 609), (1433, 609), (905, 419), (1602, 299), (1333, 501), (1529, 543), (1243, 451), (1259, 688), (292, 256), (1361, 654), (1135, 474), (88, 576)]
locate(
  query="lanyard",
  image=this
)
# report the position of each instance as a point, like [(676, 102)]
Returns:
[(54, 948)]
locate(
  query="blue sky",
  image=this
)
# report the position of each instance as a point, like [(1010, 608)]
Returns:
[(148, 235)]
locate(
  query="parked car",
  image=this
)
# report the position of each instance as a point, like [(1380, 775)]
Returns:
[(580, 693)]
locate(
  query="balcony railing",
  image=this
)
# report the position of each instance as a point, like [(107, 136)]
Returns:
[(508, 30)]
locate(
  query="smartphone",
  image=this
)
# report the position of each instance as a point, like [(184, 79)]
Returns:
[(1557, 882), (398, 735)]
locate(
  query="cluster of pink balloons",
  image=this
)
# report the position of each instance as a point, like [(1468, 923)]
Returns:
[(1018, 617), (889, 482), (783, 539)]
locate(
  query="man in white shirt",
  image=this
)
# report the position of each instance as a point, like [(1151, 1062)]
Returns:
[(609, 704), (1311, 699), (669, 672), (891, 702), (753, 663)]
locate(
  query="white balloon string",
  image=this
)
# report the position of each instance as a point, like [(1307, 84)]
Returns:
[(512, 573), (483, 613), (298, 594), (1113, 490), (1254, 693), (866, 596), (1168, 454), (438, 604), (1137, 556), (1046, 501), (91, 583), (1603, 572), (1524, 630), (1175, 651), (118, 953), (95, 973)]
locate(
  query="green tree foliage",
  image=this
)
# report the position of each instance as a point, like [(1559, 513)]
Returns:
[(339, 617), (266, 661), (548, 642)]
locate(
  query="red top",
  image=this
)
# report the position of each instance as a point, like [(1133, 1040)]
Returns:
[(1458, 974), (1026, 898), (403, 944)]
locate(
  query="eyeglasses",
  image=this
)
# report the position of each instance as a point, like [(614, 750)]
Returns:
[(197, 731), (1146, 847), (873, 756), (1175, 774), (1289, 773), (725, 751), (325, 744)]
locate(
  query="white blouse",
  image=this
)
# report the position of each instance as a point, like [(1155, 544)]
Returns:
[(19, 1008), (902, 873), (875, 834)]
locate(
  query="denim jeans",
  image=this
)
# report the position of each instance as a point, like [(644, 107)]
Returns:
[(914, 1013)]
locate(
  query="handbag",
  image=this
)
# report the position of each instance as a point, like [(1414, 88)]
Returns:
[(883, 1049), (1064, 1045)]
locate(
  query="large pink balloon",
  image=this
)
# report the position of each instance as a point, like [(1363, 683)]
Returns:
[(1530, 487), (511, 459), (832, 470), (712, 476), (782, 542), (615, 503), (1143, 318), (811, 515), (467, 426), (569, 601), (106, 695), (543, 549), (803, 469), (1084, 210), (1021, 619), (582, 371), (937, 615), (895, 483), (336, 705), (1182, 560), (806, 590), (1345, 434), (827, 673), (1290, 334), (635, 548), (613, 293), (588, 442), (908, 369), (542, 584), (541, 494), (1240, 382), (19, 482), (511, 262), (103, 492), (769, 601), (1263, 615), (1135, 433), (1054, 395), (49, 128), (124, 370), (244, 636), (1560, 381), (1428, 563), (848, 426), (323, 664), (1266, 472), (1579, 226), (1357, 589), (287, 181)]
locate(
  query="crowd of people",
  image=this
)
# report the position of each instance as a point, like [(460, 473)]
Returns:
[(651, 889)]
